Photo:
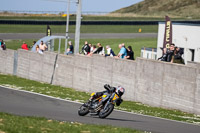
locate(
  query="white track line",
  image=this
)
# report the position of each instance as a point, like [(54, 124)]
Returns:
[(82, 103)]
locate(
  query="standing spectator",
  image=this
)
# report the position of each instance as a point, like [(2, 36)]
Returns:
[(176, 58), (100, 50), (2, 45), (70, 50), (122, 52), (130, 53), (170, 53), (24, 46), (110, 52), (42, 46), (86, 48)]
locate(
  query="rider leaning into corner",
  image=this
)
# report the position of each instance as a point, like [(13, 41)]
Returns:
[(109, 89)]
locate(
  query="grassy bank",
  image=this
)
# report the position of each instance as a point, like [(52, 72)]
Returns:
[(136, 44), (71, 94), (5, 28), (18, 124)]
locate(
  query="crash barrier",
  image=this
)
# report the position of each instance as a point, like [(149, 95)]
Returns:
[(151, 82), (39, 22)]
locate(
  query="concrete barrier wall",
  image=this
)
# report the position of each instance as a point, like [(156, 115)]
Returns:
[(7, 61), (166, 85), (35, 66), (150, 82)]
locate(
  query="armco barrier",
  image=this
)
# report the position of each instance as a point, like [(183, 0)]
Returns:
[(150, 82)]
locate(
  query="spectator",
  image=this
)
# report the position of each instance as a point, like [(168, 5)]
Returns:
[(164, 56), (122, 52), (94, 49), (110, 52), (176, 58), (24, 46), (42, 46), (32, 44), (130, 53), (123, 45), (91, 48), (100, 50), (38, 50), (70, 50), (170, 53), (86, 48), (2, 45)]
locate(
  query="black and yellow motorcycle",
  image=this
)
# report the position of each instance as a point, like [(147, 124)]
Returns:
[(101, 106)]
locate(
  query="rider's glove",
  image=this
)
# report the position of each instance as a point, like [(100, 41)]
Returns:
[(107, 87)]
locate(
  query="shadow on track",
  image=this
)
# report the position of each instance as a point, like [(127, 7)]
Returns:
[(115, 119)]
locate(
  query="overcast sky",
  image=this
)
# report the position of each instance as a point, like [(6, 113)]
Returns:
[(61, 5)]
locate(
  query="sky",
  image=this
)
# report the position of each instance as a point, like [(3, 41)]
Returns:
[(61, 5)]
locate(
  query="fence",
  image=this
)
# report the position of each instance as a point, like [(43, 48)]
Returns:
[(151, 82), (43, 22)]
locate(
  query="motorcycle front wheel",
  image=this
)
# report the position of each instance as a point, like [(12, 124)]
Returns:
[(106, 112), (83, 110)]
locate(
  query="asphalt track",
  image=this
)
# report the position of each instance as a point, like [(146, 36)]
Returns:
[(12, 36), (30, 104)]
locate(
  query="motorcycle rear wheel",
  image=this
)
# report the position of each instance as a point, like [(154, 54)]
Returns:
[(83, 110), (104, 113)]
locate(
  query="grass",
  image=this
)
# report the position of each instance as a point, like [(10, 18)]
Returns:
[(12, 124), (136, 44), (6, 28), (175, 8), (71, 94)]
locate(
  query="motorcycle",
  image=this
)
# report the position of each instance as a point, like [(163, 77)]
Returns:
[(101, 106)]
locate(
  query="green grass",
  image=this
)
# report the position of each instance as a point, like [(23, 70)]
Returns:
[(71, 94), (18, 124), (136, 44), (174, 8), (4, 28)]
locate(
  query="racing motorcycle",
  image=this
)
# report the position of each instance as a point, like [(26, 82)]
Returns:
[(102, 105)]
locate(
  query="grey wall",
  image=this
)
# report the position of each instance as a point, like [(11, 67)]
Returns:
[(7, 61), (35, 66), (151, 82)]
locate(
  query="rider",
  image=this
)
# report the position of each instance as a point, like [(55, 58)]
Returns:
[(119, 90)]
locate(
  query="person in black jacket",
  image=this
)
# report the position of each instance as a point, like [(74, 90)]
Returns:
[(100, 50), (86, 48), (170, 53), (130, 53), (164, 56)]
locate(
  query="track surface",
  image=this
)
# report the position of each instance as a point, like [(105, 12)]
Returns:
[(6, 36), (28, 104)]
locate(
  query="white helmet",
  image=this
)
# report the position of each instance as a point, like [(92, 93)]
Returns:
[(120, 90)]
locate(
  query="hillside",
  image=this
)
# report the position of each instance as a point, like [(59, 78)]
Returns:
[(159, 8)]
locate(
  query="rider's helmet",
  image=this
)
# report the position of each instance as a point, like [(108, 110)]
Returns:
[(120, 90)]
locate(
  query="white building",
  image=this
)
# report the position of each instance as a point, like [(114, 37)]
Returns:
[(149, 53), (185, 36)]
